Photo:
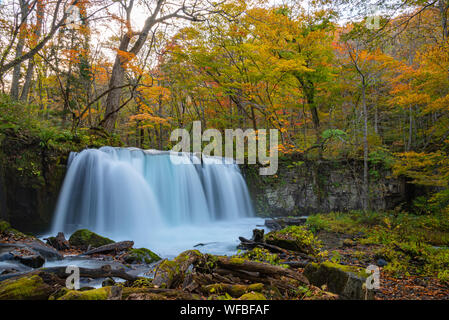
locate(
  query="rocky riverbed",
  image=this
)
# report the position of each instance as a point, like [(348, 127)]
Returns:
[(286, 263)]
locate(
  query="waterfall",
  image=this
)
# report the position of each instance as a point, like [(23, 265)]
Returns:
[(129, 193)]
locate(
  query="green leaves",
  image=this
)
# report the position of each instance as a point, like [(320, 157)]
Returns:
[(334, 134)]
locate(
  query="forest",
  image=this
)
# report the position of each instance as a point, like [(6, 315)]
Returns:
[(91, 91)]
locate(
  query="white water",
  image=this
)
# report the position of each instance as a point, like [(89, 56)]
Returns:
[(131, 194)]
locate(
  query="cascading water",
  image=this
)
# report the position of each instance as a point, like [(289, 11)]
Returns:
[(144, 196)]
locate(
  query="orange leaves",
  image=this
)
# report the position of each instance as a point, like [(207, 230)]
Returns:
[(125, 56)]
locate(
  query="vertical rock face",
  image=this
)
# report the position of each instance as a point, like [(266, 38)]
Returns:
[(30, 179), (307, 187)]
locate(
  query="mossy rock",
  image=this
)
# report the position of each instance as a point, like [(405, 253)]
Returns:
[(294, 238), (84, 238), (105, 293), (171, 273), (30, 287), (4, 226), (253, 296), (141, 255), (346, 281)]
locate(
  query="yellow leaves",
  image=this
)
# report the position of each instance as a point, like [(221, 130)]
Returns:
[(146, 120), (439, 104), (155, 93), (430, 169), (148, 117)]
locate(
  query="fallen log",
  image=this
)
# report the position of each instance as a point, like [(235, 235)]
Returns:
[(272, 248), (263, 268), (103, 272), (156, 294), (296, 264), (234, 290), (116, 247)]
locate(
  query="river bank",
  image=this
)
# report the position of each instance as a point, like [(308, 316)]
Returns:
[(323, 261)]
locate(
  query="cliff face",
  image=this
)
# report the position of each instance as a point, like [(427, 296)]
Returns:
[(303, 187), (30, 178)]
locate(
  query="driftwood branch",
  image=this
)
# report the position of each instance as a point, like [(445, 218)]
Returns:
[(117, 246), (272, 248), (103, 272), (263, 268)]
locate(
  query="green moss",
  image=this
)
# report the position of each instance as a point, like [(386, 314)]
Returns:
[(141, 255), (24, 288), (142, 283), (84, 238), (237, 260), (357, 271), (4, 226), (95, 294), (253, 296), (261, 255), (234, 290), (295, 238)]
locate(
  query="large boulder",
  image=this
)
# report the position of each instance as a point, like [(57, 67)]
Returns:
[(35, 245), (346, 281), (28, 257), (84, 238)]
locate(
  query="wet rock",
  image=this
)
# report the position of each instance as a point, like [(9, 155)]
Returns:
[(59, 242), (108, 282), (46, 251), (9, 271), (5, 256), (84, 238), (347, 282), (28, 257), (381, 263), (49, 253), (280, 223)]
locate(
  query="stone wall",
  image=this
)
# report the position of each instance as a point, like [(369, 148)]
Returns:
[(303, 187)]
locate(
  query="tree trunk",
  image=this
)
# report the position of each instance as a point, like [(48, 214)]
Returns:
[(14, 93), (365, 149), (117, 77), (37, 32)]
